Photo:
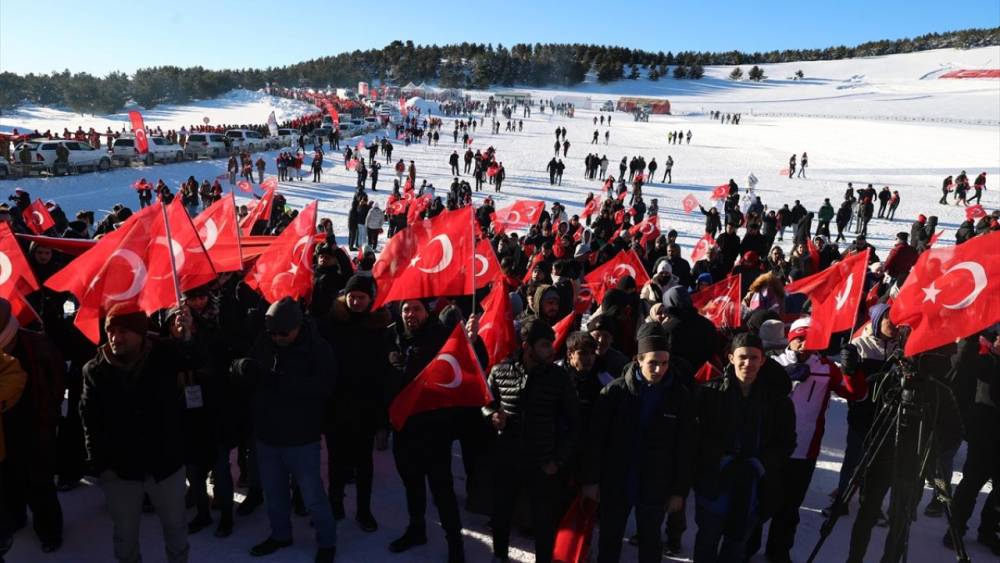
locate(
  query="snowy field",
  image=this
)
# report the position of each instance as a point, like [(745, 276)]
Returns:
[(922, 129)]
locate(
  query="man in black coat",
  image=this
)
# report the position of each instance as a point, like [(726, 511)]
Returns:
[(746, 433), (642, 442), (291, 374), (536, 413), (422, 448), (693, 337), (729, 245), (132, 419), (357, 420)]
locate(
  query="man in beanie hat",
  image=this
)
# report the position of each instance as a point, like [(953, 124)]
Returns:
[(333, 268), (291, 376), (30, 430), (609, 359), (357, 419), (422, 448), (772, 336), (536, 414), (641, 448), (132, 419), (814, 378), (746, 434)]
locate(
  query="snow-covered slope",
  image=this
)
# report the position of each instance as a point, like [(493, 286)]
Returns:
[(236, 107)]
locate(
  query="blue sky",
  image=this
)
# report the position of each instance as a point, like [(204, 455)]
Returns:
[(99, 36)]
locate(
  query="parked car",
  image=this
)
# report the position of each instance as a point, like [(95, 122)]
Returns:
[(348, 129), (211, 145), (81, 155), (286, 137), (241, 139), (160, 150), (608, 106)]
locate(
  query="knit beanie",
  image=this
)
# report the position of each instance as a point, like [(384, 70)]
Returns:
[(364, 284), (126, 316), (652, 337)]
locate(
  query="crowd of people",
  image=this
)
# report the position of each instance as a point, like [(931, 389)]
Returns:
[(640, 402)]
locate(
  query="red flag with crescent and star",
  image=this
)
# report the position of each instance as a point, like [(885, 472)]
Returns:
[(452, 378), (592, 206), (220, 234), (689, 202), (648, 229), (38, 218), (701, 247), (720, 302), (487, 265), (16, 278), (950, 293), (606, 276), (835, 294), (429, 258), (519, 215), (139, 130), (720, 192), (260, 211), (285, 268)]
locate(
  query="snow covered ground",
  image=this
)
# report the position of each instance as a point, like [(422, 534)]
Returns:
[(939, 137)]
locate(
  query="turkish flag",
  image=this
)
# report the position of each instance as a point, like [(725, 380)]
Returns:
[(706, 373), (220, 235), (395, 207), (562, 330), (487, 265), (835, 294), (813, 254), (606, 276), (245, 186), (592, 206), (934, 238), (260, 211), (572, 542), (720, 302), (584, 299), (193, 265), (648, 229), (334, 114), (16, 277), (417, 207), (619, 217), (689, 202), (113, 270), (452, 378), (285, 268), (535, 259), (139, 130), (720, 192), (950, 293), (519, 215), (701, 247), (974, 212), (352, 164), (37, 217), (269, 183), (496, 326), (429, 258)]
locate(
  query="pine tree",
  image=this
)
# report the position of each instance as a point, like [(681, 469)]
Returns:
[(756, 74), (680, 71), (696, 71), (736, 74), (799, 75), (634, 73), (654, 73)]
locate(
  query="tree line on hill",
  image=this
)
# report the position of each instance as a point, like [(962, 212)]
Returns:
[(465, 65)]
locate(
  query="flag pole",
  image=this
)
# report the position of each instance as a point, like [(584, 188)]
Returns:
[(170, 252), (472, 231), (236, 217)]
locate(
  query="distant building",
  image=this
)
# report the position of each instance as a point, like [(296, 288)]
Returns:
[(512, 97), (653, 105)]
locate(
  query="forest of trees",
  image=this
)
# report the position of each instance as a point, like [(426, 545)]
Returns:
[(465, 65)]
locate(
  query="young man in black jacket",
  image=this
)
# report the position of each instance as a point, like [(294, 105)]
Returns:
[(746, 433), (132, 420), (536, 413), (642, 444)]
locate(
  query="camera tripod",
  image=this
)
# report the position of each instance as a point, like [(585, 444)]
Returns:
[(907, 414)]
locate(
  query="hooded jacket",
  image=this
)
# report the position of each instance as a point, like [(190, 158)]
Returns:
[(694, 338)]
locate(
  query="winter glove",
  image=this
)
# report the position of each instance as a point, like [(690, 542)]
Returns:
[(797, 372), (850, 360), (247, 370)]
